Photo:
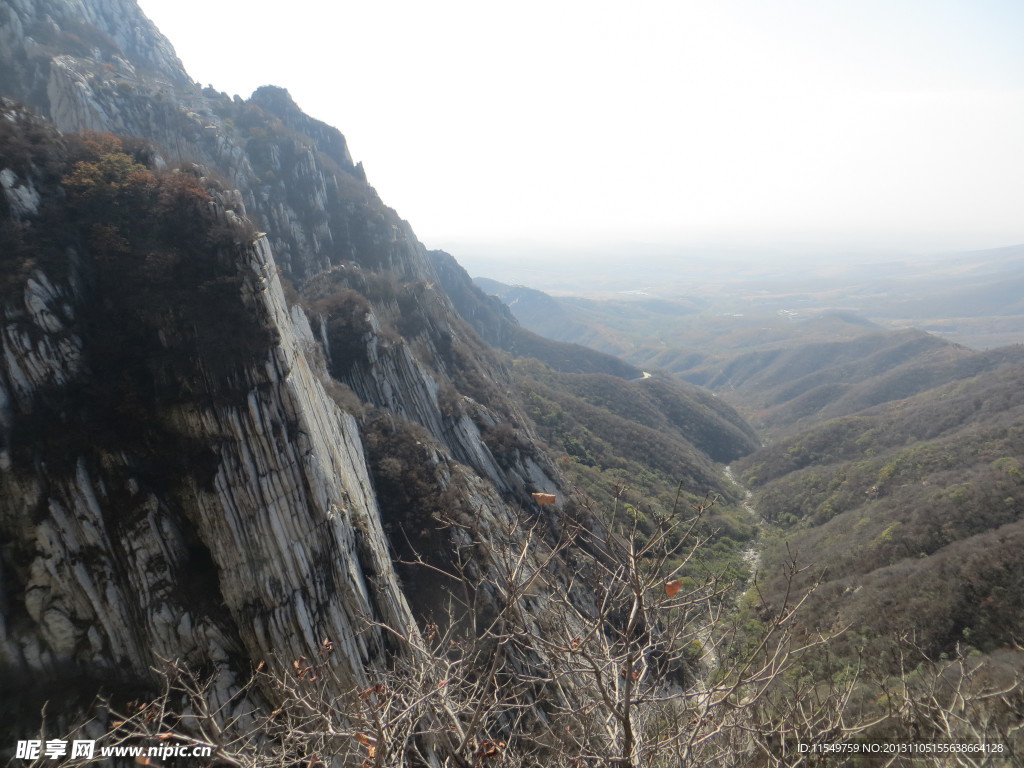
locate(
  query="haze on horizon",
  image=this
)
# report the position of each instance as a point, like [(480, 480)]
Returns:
[(871, 125)]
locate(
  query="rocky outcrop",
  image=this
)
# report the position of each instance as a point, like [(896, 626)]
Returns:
[(295, 173), (224, 511), (35, 33), (266, 547)]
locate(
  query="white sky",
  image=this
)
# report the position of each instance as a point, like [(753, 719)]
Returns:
[(846, 123)]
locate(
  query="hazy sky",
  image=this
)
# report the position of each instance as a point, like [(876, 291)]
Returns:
[(850, 123)]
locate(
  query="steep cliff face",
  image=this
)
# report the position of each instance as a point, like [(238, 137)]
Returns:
[(182, 462), (297, 181), (42, 40), (168, 493), (235, 390)]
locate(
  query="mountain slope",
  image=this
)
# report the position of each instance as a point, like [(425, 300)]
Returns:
[(808, 383), (631, 327), (909, 508), (223, 460), (496, 325), (234, 390), (612, 425)]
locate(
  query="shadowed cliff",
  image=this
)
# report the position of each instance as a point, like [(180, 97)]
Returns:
[(237, 398)]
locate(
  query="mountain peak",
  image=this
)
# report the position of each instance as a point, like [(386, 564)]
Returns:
[(105, 36), (277, 100)]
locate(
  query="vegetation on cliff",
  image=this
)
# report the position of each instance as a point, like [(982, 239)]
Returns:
[(611, 627)]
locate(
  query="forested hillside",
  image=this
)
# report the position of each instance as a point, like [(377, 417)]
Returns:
[(279, 482), (796, 385), (911, 511), (889, 487)]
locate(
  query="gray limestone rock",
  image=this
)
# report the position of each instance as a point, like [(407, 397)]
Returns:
[(269, 539)]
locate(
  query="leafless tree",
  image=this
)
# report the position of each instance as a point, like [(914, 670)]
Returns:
[(590, 639)]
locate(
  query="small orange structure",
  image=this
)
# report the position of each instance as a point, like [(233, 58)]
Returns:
[(671, 587), (544, 498)]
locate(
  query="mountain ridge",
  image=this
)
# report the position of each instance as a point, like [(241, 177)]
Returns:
[(283, 331), (253, 431)]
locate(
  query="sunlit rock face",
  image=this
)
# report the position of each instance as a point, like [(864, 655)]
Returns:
[(201, 485)]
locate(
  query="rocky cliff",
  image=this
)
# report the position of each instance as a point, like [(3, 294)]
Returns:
[(235, 389), (168, 493), (184, 464)]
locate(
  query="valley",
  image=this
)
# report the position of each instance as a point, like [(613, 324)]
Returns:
[(887, 483), (280, 481), (680, 310)]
